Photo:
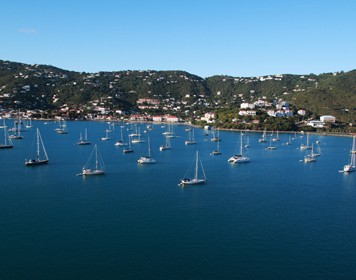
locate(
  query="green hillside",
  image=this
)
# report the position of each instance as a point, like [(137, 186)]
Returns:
[(43, 87)]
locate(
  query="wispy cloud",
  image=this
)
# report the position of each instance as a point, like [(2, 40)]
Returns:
[(27, 30)]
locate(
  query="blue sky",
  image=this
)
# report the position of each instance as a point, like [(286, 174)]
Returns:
[(203, 37)]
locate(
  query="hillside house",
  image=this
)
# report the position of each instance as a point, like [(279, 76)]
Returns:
[(171, 119), (157, 118), (247, 113), (328, 118), (316, 123), (247, 105)]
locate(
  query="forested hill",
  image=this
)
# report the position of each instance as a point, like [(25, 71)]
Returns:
[(328, 93), (47, 87)]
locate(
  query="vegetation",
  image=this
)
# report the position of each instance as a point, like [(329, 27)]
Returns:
[(47, 88)]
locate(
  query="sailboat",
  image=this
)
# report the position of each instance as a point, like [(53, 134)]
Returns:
[(138, 139), (62, 128), (295, 136), (190, 140), (311, 157), (352, 165), (240, 158), (137, 132), (167, 145), (195, 180), (275, 139), (216, 137), (270, 147), (129, 148), (111, 126), (17, 130), (98, 168), (289, 142), (7, 144), (147, 159), (318, 151), (29, 123), (120, 142), (84, 141), (306, 146), (247, 145), (172, 133), (41, 154), (107, 137), (169, 132), (217, 151), (353, 149), (263, 139)]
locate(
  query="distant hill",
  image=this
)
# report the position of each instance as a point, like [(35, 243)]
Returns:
[(48, 88)]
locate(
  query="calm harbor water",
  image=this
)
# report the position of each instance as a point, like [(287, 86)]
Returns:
[(273, 218)]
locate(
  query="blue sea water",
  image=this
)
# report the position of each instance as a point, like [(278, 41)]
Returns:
[(273, 218)]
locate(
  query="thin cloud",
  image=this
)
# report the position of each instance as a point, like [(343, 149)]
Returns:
[(27, 30)]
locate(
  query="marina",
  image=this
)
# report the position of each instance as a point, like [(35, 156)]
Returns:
[(289, 219)]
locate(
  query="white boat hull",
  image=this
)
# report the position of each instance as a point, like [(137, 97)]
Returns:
[(241, 160), (33, 162), (82, 142), (89, 172), (348, 168), (185, 182), (309, 159), (146, 160)]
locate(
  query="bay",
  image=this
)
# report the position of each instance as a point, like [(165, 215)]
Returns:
[(273, 218)]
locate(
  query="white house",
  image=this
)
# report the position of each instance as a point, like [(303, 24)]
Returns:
[(262, 103), (315, 123), (157, 118), (170, 118), (271, 113), (209, 115), (327, 118), (247, 113), (247, 105)]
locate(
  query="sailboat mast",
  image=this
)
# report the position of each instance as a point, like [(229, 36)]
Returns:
[(353, 152), (149, 147), (96, 157), (19, 127), (196, 166), (38, 144)]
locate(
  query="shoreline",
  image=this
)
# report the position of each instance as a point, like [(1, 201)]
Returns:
[(293, 132), (197, 126)]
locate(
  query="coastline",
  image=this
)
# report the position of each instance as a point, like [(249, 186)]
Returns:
[(350, 134)]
